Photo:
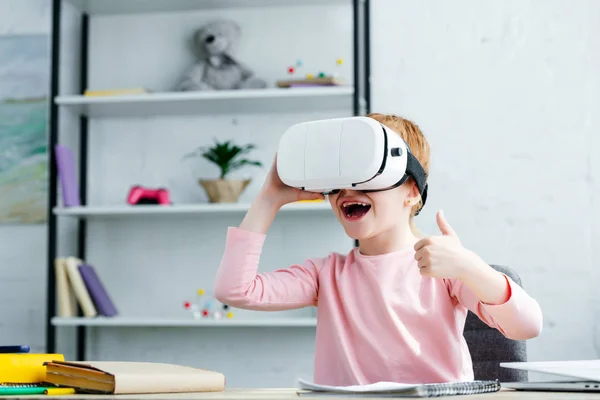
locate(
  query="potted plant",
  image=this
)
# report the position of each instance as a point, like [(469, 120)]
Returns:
[(228, 157)]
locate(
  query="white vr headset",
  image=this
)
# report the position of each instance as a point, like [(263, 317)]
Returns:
[(357, 153)]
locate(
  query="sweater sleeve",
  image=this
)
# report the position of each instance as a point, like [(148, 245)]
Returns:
[(239, 285), (519, 318)]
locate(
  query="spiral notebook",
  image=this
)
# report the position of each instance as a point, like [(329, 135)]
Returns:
[(393, 389)]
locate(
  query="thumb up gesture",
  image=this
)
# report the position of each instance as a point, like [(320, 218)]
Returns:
[(443, 256)]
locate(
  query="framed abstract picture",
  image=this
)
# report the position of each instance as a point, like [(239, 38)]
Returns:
[(24, 111)]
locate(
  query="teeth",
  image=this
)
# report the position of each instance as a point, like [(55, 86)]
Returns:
[(351, 203)]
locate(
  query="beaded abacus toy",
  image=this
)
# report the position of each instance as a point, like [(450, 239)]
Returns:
[(321, 79), (204, 308)]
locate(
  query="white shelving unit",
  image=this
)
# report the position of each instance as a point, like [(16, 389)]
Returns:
[(174, 323), (120, 7), (182, 209), (198, 103), (84, 110)]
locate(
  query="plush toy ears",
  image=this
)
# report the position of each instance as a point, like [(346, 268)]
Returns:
[(226, 28)]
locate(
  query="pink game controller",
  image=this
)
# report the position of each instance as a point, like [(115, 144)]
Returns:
[(141, 195)]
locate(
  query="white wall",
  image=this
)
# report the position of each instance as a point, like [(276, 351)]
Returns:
[(506, 94)]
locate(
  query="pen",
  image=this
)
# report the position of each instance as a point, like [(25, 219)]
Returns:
[(59, 391), (7, 390), (19, 348)]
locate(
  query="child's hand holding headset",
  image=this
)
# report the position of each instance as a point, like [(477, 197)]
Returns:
[(444, 256), (272, 196), (280, 194)]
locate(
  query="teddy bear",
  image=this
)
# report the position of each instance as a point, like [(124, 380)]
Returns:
[(218, 69)]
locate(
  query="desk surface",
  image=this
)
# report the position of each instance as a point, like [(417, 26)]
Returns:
[(287, 394)]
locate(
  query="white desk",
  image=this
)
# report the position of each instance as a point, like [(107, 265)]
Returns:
[(288, 394)]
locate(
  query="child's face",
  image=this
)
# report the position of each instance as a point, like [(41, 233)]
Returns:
[(366, 215)]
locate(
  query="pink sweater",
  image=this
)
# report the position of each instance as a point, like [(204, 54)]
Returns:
[(378, 318)]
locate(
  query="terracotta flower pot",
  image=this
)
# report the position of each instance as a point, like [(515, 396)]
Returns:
[(224, 190)]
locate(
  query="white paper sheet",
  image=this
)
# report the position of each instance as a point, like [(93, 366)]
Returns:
[(373, 387)]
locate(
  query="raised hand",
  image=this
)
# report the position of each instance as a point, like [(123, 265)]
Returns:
[(272, 196), (274, 190), (443, 256)]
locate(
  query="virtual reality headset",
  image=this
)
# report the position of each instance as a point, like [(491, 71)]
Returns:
[(357, 153)]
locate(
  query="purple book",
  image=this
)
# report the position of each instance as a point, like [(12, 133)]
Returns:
[(65, 163), (103, 303)]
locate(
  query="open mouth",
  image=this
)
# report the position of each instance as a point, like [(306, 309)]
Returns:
[(355, 210)]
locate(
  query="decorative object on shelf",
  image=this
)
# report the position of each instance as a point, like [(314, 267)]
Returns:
[(292, 69), (224, 190), (323, 79), (218, 69), (204, 308), (139, 195), (115, 92), (228, 312), (339, 62), (227, 156), (224, 312)]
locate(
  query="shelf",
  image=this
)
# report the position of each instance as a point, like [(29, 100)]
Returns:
[(168, 322), (187, 209), (207, 103), (115, 7)]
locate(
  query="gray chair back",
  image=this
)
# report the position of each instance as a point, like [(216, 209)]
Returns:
[(489, 347)]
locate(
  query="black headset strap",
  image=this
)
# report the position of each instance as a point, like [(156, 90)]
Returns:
[(414, 169)]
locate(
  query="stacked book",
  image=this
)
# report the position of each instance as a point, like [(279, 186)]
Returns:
[(78, 282), (23, 373)]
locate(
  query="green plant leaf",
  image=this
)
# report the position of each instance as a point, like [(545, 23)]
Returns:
[(240, 163), (226, 155)]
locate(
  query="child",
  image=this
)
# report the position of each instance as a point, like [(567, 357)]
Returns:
[(392, 309)]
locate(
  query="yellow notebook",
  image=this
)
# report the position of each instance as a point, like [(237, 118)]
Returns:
[(25, 367)]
